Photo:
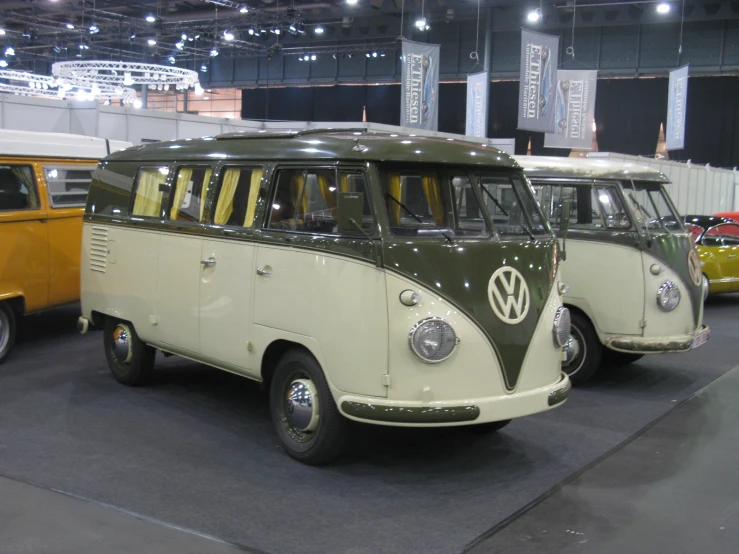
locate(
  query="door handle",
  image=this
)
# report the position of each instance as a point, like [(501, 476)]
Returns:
[(263, 271), (210, 262)]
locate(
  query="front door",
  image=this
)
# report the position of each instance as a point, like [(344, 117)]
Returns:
[(227, 279), (730, 240)]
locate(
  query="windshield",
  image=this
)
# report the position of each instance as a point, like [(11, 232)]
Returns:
[(652, 207), (511, 205)]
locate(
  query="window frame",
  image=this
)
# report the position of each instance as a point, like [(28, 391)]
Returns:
[(219, 174), (337, 169), (165, 195), (66, 167), (38, 208)]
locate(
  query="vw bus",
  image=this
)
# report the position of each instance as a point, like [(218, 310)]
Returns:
[(353, 273), (44, 179), (634, 279)]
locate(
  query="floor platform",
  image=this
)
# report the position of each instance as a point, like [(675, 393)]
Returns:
[(196, 449)]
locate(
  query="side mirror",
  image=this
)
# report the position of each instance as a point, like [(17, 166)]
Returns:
[(564, 226), (350, 207)]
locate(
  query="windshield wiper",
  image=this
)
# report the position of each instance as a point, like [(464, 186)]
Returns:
[(495, 200), (414, 216)]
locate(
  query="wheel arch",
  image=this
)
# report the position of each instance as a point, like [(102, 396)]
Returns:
[(272, 354)]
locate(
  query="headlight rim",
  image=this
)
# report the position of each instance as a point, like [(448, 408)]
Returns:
[(415, 329), (558, 316), (667, 286)]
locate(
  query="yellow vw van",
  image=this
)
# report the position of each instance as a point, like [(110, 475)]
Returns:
[(44, 179), (353, 273)]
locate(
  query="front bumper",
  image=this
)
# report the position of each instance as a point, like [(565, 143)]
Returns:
[(657, 345), (448, 413)]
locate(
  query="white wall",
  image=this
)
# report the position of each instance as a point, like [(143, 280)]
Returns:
[(695, 189)]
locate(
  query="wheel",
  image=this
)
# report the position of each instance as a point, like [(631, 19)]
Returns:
[(613, 358), (130, 360), (492, 427), (706, 287), (583, 350), (7, 330), (304, 414)]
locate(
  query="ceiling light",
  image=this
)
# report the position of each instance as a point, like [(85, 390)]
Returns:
[(3, 63), (172, 60), (204, 68), (251, 31), (313, 57), (70, 26), (663, 8), (276, 30), (318, 30), (293, 29), (421, 23), (374, 54), (214, 52), (152, 42), (137, 104), (244, 8), (228, 35), (83, 46), (301, 27), (9, 51), (180, 45), (352, 2), (150, 18), (132, 35), (94, 29), (367, 54), (127, 79), (534, 15)]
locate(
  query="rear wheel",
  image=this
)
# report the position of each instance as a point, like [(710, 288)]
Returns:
[(130, 360), (304, 414), (613, 358), (7, 330), (583, 350)]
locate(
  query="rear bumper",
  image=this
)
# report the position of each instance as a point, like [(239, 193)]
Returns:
[(448, 413), (656, 345)]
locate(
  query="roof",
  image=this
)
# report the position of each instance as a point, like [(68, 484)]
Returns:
[(321, 144), (706, 221), (56, 145), (588, 168)]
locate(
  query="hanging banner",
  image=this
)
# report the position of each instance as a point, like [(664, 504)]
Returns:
[(419, 101), (574, 110), (677, 98), (539, 55), (478, 92)]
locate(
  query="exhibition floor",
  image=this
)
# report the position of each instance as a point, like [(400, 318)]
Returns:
[(196, 450)]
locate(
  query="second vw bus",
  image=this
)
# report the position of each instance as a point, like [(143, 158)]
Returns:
[(634, 279), (353, 273)]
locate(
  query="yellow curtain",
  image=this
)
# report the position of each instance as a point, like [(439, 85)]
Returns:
[(329, 196), (148, 196), (345, 183), (204, 194), (395, 190), (299, 196), (433, 196), (251, 206), (225, 205), (183, 180)]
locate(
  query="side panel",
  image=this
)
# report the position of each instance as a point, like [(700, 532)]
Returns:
[(24, 257), (338, 301), (65, 235), (679, 321), (225, 302), (608, 278)]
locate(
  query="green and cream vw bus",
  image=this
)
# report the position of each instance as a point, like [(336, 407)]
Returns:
[(634, 278), (353, 273)]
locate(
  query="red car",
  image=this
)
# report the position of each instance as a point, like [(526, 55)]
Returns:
[(734, 216)]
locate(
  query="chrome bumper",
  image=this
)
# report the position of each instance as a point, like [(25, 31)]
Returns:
[(657, 345)]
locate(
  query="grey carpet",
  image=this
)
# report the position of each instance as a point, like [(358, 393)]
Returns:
[(196, 448)]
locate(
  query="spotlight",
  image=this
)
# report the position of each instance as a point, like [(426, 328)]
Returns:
[(276, 30), (421, 23), (57, 48), (70, 26), (252, 31), (127, 79), (663, 8), (150, 18), (244, 8), (3, 62), (382, 54), (180, 45), (306, 57), (367, 54), (318, 30), (9, 51), (293, 29), (336, 57), (204, 68), (214, 52), (350, 55), (172, 60), (83, 46), (352, 2), (301, 28), (374, 54), (534, 15), (228, 35), (313, 57), (137, 104), (132, 35), (2, 31), (183, 36), (94, 29), (152, 42)]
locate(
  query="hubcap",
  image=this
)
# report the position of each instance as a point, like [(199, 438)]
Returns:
[(122, 343), (575, 351), (4, 331), (706, 284), (301, 409)]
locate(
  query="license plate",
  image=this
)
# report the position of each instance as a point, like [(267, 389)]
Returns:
[(700, 339)]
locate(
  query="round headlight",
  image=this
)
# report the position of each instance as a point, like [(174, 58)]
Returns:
[(668, 296), (561, 327), (432, 339)]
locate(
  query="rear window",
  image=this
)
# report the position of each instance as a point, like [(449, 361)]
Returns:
[(68, 186)]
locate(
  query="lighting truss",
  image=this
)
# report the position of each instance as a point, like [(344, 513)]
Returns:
[(119, 74), (50, 87)]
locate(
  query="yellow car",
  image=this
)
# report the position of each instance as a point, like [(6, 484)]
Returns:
[(717, 242)]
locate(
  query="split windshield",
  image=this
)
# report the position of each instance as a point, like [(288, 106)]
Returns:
[(652, 207), (449, 202)]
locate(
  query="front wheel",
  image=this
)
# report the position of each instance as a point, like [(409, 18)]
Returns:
[(583, 351), (304, 414), (7, 330), (131, 361)]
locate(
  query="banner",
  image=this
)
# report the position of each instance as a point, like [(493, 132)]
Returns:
[(539, 55), (478, 92), (574, 110), (419, 101), (677, 98)]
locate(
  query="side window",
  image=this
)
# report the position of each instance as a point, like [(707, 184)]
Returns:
[(712, 237), (730, 235), (68, 186), (305, 200), (148, 191), (354, 181), (556, 196), (612, 211), (237, 196), (191, 186), (17, 188)]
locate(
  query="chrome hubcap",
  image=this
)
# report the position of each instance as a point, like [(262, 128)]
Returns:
[(4, 331), (575, 351), (122, 343), (301, 408), (706, 284)]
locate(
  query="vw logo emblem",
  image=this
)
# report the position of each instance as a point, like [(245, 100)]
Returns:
[(509, 295), (694, 266)]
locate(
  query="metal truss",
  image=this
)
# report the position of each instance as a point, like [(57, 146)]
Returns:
[(51, 87), (112, 73)]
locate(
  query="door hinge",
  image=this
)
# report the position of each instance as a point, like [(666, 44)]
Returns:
[(642, 323), (385, 380)]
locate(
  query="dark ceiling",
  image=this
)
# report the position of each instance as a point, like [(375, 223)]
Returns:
[(53, 30)]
